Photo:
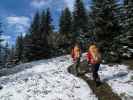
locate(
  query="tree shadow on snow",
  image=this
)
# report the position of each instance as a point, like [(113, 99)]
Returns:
[(115, 76)]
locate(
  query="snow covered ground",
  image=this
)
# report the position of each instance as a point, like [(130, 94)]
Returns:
[(119, 78), (50, 80), (45, 80)]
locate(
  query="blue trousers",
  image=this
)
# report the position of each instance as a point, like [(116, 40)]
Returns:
[(95, 68)]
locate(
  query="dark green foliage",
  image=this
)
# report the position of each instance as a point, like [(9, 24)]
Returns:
[(105, 21), (106, 25), (126, 38), (66, 22), (80, 18), (36, 43), (6, 53), (19, 48), (27, 47), (66, 30), (81, 24), (128, 22), (48, 25), (31, 45), (47, 32)]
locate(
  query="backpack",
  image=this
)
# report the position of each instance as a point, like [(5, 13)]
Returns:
[(98, 58)]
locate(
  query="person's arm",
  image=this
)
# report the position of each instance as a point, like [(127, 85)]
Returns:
[(72, 53), (77, 52), (87, 57)]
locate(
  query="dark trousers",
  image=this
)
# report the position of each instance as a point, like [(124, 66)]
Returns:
[(95, 68), (76, 66)]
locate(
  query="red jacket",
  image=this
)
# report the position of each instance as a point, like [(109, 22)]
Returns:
[(90, 58), (75, 54)]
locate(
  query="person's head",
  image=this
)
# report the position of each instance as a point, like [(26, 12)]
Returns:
[(91, 45), (93, 48)]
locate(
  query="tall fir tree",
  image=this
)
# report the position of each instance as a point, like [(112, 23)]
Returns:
[(66, 23), (106, 24), (36, 44), (44, 33), (31, 45), (128, 23), (126, 38), (19, 48), (12, 59), (66, 30), (80, 23), (80, 18), (48, 22), (6, 53), (47, 31), (27, 43)]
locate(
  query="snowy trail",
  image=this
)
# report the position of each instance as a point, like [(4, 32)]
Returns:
[(119, 78), (46, 80)]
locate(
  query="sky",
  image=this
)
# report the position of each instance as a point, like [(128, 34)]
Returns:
[(16, 15)]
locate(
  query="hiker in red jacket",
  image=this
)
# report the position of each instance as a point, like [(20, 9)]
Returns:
[(94, 59), (76, 54)]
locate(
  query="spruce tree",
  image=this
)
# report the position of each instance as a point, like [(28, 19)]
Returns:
[(80, 18), (44, 34), (48, 27), (106, 24), (66, 30), (48, 22), (36, 43), (66, 23), (6, 53), (128, 23), (19, 48), (80, 23), (31, 45), (27, 43), (12, 60), (126, 38)]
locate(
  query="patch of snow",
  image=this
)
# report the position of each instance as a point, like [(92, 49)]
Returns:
[(119, 78), (125, 47), (126, 54), (131, 50), (45, 80)]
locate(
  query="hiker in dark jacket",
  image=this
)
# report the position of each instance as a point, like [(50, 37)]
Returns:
[(94, 59), (76, 54)]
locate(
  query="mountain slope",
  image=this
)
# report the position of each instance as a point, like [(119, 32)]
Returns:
[(45, 80)]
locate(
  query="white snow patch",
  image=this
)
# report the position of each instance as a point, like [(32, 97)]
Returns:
[(45, 80), (119, 78)]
